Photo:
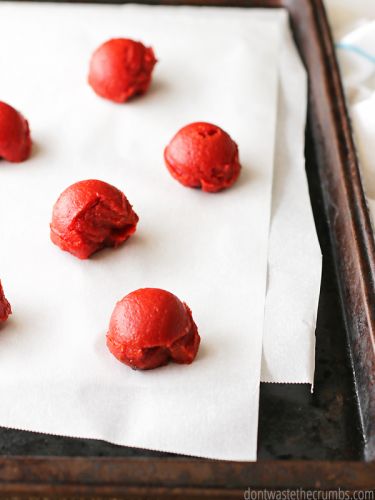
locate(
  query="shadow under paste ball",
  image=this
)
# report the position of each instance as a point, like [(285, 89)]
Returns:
[(15, 140), (202, 155), (150, 327), (121, 69), (91, 215)]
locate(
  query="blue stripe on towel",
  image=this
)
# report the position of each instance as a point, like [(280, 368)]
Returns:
[(356, 50)]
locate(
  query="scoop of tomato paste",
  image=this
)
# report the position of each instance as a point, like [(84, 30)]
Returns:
[(202, 155), (5, 309), (121, 68), (150, 327), (91, 215), (15, 141)]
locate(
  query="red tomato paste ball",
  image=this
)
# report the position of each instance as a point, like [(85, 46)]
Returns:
[(5, 309), (89, 216), (150, 327), (121, 68), (202, 155), (15, 141)]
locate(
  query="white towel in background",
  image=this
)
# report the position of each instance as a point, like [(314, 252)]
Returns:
[(353, 25)]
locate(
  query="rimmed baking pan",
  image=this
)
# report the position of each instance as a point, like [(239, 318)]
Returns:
[(324, 440)]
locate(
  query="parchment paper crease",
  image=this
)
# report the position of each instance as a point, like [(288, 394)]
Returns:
[(294, 261)]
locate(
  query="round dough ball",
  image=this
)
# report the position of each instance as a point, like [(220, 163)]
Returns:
[(91, 215), (202, 155), (5, 309), (15, 141), (121, 68), (150, 327)]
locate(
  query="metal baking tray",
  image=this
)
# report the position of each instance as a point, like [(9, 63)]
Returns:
[(324, 440)]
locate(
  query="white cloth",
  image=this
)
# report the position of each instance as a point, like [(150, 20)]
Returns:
[(353, 25)]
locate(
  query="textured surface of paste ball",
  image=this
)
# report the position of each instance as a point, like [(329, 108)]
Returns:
[(150, 327), (15, 140), (202, 155), (5, 309), (91, 215), (121, 68)]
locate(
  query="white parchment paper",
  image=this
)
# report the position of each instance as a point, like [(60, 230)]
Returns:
[(56, 375)]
